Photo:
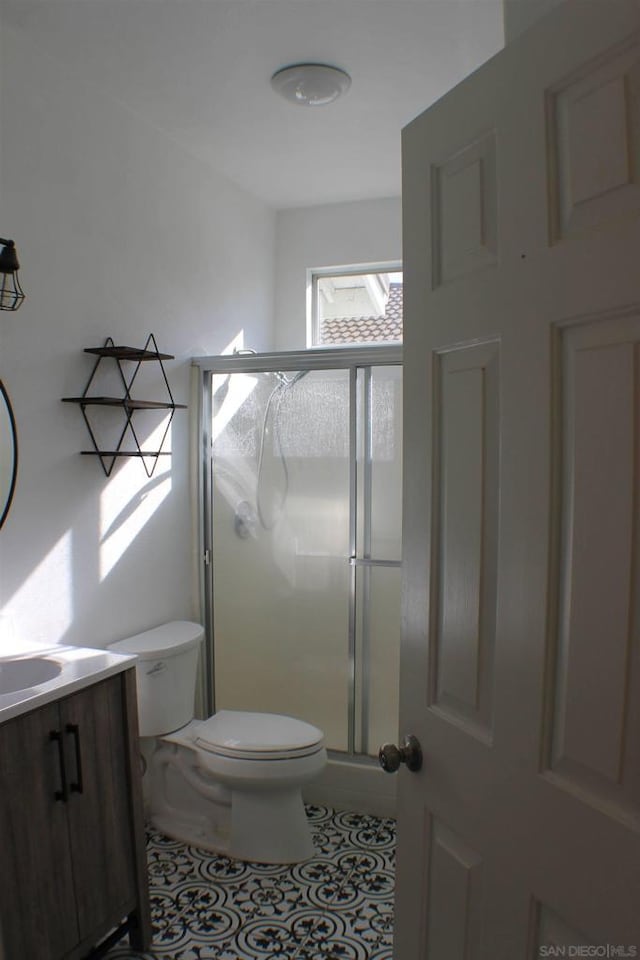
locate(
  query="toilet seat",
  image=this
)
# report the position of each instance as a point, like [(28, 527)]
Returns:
[(258, 736)]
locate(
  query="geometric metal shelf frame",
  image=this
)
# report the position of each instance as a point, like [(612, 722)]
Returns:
[(126, 402)]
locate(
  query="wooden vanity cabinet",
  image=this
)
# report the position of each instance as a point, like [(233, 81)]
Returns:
[(72, 849)]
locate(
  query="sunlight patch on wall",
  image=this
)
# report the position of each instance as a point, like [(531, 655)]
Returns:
[(237, 345), (49, 583), (129, 501)]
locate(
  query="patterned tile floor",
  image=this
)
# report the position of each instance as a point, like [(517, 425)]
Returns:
[(336, 906)]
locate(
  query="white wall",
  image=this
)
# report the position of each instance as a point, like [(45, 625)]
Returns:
[(519, 15), (367, 231), (120, 234)]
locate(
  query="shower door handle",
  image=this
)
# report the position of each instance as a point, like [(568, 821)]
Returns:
[(390, 756), (370, 562)]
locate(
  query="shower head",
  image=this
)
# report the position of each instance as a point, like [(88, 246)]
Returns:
[(288, 381)]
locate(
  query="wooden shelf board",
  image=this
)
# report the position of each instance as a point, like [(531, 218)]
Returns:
[(128, 353), (123, 402), (125, 453)]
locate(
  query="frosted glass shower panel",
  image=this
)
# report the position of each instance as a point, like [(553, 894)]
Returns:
[(378, 656), (378, 555), (281, 544), (385, 444)]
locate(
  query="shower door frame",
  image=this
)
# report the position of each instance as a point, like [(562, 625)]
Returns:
[(352, 359)]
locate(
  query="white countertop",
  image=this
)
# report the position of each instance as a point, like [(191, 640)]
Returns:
[(79, 668)]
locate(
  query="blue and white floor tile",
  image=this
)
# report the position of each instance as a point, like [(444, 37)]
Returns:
[(336, 906)]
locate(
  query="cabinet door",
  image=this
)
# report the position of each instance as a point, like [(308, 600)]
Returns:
[(101, 836), (36, 881)]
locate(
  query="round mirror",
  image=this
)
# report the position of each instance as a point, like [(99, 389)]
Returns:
[(8, 453)]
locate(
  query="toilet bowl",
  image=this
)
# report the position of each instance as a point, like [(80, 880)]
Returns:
[(232, 783)]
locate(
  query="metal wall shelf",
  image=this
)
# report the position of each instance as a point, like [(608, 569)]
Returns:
[(123, 402), (129, 404), (129, 353)]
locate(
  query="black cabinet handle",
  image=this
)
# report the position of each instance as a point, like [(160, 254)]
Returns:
[(56, 737), (74, 730)]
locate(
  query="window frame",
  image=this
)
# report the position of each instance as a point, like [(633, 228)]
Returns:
[(351, 270)]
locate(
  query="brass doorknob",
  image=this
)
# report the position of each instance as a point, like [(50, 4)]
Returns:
[(390, 756)]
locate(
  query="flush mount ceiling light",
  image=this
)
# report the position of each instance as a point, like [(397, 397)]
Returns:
[(310, 84)]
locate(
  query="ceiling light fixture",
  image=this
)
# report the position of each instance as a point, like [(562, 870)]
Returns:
[(310, 84)]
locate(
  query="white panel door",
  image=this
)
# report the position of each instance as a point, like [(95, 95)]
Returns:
[(520, 836)]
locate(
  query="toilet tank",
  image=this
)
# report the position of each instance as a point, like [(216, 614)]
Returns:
[(165, 674)]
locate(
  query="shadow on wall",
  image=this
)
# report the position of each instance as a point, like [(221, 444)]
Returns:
[(91, 548), (92, 540)]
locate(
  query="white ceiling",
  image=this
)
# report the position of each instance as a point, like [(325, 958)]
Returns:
[(199, 70)]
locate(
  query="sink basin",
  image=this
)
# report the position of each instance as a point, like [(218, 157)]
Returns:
[(26, 672)]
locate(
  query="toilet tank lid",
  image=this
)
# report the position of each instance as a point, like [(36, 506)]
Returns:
[(167, 640)]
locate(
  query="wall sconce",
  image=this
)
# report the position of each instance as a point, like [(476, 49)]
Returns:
[(11, 293)]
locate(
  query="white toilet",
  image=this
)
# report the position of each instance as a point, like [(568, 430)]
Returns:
[(232, 783)]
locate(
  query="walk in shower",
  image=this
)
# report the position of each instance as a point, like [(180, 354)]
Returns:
[(301, 527)]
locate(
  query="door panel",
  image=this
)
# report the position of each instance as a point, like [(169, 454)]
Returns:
[(464, 212), (594, 742), (102, 847), (455, 896), (520, 648), (466, 449), (34, 841), (594, 141), (552, 933)]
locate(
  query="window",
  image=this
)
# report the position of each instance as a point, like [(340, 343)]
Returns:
[(349, 307)]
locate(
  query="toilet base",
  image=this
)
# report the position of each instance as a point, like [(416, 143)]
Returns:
[(270, 829), (188, 804), (193, 832), (279, 835)]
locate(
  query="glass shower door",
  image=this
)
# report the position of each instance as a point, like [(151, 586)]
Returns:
[(281, 542), (377, 559)]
